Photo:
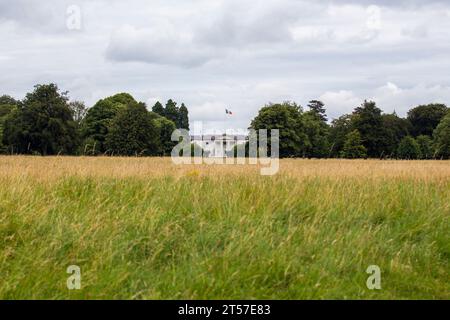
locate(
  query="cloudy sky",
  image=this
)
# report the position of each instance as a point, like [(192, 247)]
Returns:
[(235, 54)]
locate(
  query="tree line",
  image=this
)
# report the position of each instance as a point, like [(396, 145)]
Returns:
[(365, 133), (45, 122)]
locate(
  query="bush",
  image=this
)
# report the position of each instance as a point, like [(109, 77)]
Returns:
[(425, 146), (353, 147), (442, 138), (408, 149)]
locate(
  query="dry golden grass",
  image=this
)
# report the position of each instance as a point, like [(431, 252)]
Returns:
[(44, 168), (143, 228)]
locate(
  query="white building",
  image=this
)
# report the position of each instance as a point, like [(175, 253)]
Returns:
[(219, 146)]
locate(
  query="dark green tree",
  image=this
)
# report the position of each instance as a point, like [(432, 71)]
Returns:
[(368, 121), (394, 130), (408, 149), (133, 132), (442, 138), (339, 130), (172, 112), (425, 146), (286, 117), (158, 108), (79, 111), (7, 105), (165, 129), (353, 147), (318, 107), (42, 124), (318, 133), (425, 118), (183, 117), (95, 125)]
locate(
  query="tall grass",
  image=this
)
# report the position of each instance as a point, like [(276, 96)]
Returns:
[(146, 229)]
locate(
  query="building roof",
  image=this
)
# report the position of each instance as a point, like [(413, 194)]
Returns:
[(238, 137)]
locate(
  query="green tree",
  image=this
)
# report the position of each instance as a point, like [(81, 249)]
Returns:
[(408, 149), (183, 117), (339, 130), (165, 129), (425, 146), (286, 117), (318, 107), (95, 125), (368, 121), (442, 138), (425, 118), (353, 147), (318, 133), (172, 112), (394, 130), (7, 105), (42, 124), (132, 132), (158, 108), (79, 111)]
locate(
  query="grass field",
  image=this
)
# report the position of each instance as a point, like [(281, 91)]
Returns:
[(146, 229)]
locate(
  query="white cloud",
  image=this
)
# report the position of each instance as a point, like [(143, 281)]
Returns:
[(340, 102), (390, 97)]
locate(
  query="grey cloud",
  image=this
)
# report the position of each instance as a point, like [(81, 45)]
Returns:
[(238, 55), (36, 16)]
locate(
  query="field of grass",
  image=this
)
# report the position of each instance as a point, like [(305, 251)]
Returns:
[(147, 229)]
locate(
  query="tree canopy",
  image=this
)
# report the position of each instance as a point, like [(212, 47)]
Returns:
[(132, 132), (46, 122), (42, 124), (425, 118), (442, 138), (353, 147), (409, 149), (286, 117)]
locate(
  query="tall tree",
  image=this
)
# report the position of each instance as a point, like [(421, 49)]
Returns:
[(42, 124), (79, 111), (172, 112), (394, 129), (442, 138), (7, 105), (409, 149), (425, 146), (158, 108), (353, 147), (318, 133), (165, 129), (368, 121), (183, 117), (425, 118), (286, 117), (95, 126), (132, 132), (339, 130), (318, 107)]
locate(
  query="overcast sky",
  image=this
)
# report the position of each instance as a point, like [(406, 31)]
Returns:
[(234, 54)]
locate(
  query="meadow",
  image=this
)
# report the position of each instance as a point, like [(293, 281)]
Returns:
[(143, 228)]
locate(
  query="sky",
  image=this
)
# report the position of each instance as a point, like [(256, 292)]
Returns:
[(230, 54)]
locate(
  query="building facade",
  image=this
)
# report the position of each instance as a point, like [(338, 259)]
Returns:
[(219, 146)]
